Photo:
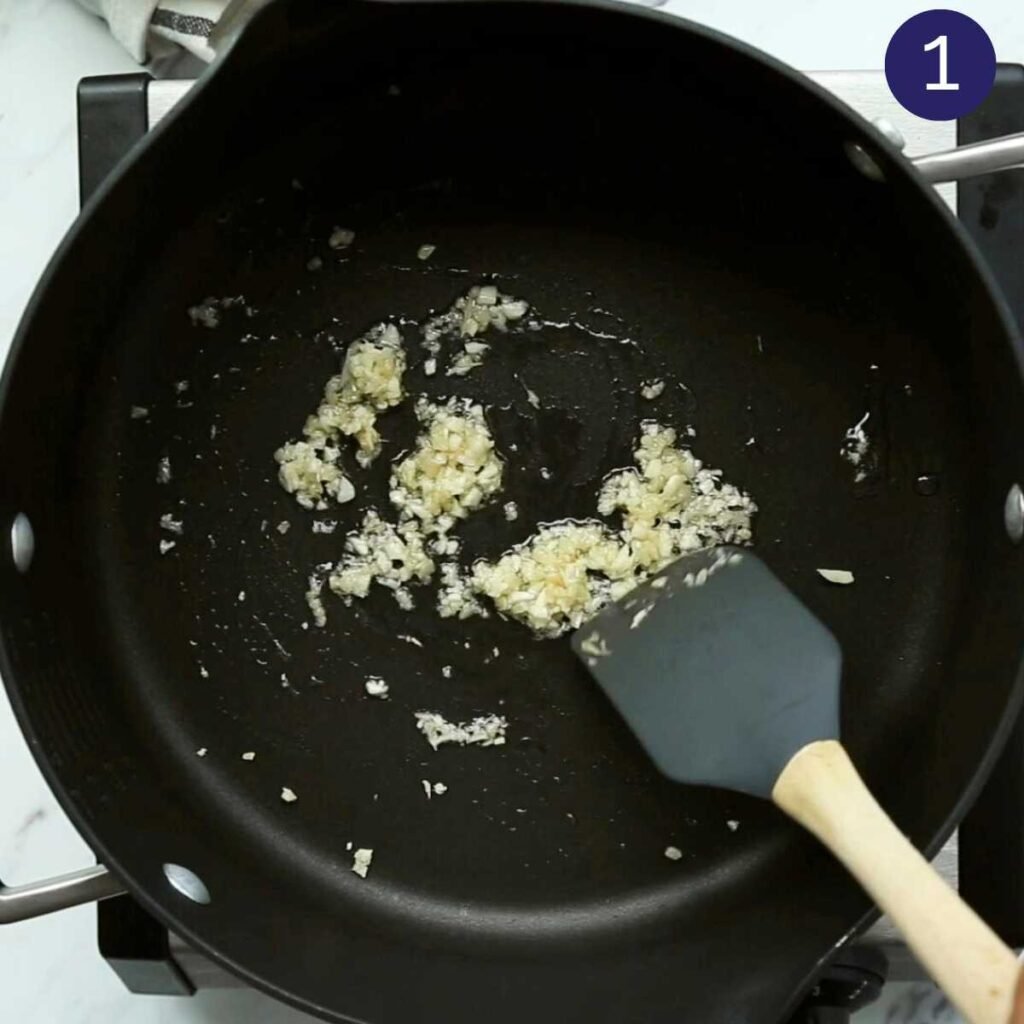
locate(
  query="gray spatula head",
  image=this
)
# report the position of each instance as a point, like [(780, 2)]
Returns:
[(719, 670)]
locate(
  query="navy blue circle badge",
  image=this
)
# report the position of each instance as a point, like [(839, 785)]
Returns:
[(940, 64)]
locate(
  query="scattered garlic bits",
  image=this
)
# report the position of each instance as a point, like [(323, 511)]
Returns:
[(288, 795), (456, 597), (486, 731), (481, 308), (474, 313), (383, 553), (314, 601), (171, 525), (433, 789), (566, 572), (361, 861), (341, 238), (471, 356), (207, 313), (595, 646), (843, 577), (370, 382), (652, 390), (453, 470), (856, 448), (376, 687), (673, 853)]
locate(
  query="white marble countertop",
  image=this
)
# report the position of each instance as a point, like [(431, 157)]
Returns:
[(50, 970)]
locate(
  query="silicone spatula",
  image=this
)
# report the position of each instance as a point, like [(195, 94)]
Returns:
[(728, 680)]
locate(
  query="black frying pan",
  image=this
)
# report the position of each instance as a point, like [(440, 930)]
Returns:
[(591, 158)]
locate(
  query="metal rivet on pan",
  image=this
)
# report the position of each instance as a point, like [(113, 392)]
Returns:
[(1013, 514), (188, 883), (863, 161), (890, 131), (23, 542)]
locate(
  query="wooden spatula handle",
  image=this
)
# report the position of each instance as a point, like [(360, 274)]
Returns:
[(820, 788), (1018, 1002)]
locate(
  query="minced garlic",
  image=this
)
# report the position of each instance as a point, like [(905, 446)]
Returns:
[(361, 861), (455, 597), (480, 309), (485, 731), (311, 473), (171, 525), (472, 355), (383, 553), (453, 470), (566, 572), (369, 383), (672, 504), (376, 687), (856, 448), (315, 601), (841, 576), (341, 238), (559, 577)]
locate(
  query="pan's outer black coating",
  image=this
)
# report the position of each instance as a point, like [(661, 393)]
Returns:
[(590, 158)]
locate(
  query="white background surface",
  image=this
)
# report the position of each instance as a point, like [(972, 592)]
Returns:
[(50, 971)]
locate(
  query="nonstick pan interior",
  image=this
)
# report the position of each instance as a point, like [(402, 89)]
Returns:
[(570, 810), (779, 306)]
